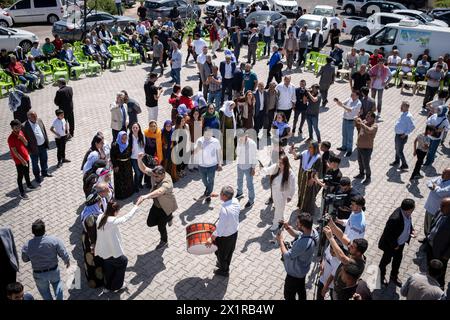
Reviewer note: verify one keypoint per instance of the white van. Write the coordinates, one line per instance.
(30, 11)
(410, 37)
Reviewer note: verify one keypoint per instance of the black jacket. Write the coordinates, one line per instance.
(393, 230)
(63, 99)
(441, 242)
(29, 134)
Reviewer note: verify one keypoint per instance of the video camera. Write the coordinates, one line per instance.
(336, 200)
(150, 161)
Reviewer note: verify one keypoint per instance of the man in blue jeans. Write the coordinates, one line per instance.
(209, 161)
(119, 7)
(403, 128)
(352, 107)
(246, 163)
(312, 111)
(43, 252)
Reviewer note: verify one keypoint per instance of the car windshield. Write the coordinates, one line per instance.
(323, 12)
(426, 17)
(312, 24)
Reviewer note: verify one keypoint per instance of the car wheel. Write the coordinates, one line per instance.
(25, 45)
(349, 10)
(51, 19)
(4, 24)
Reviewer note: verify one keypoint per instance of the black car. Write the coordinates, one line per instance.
(372, 7)
(412, 4)
(444, 16)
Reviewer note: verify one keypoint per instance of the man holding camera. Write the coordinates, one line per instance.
(346, 192)
(355, 225)
(297, 259)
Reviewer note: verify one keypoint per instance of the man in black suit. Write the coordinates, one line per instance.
(35, 133)
(64, 101)
(227, 69)
(9, 261)
(261, 105)
(438, 240)
(396, 233)
(317, 40)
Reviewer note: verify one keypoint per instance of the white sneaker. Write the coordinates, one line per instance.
(106, 291)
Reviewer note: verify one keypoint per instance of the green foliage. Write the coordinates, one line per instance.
(6, 3)
(442, 3)
(103, 5)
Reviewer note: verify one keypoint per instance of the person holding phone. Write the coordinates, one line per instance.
(352, 108)
(18, 147)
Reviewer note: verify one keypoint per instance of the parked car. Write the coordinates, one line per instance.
(30, 11)
(313, 22)
(359, 27)
(443, 16)
(5, 19)
(161, 8)
(423, 17)
(438, 11)
(372, 7)
(128, 3)
(262, 16)
(352, 6)
(412, 4)
(408, 36)
(71, 28)
(326, 11)
(286, 7)
(212, 6)
(10, 38)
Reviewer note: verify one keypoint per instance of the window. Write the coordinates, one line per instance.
(24, 4)
(105, 17)
(95, 17)
(385, 36)
(44, 3)
(386, 20)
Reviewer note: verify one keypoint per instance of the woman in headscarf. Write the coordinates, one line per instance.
(104, 176)
(181, 145)
(199, 102)
(247, 110)
(282, 185)
(440, 123)
(167, 146)
(211, 118)
(93, 264)
(123, 171)
(310, 167)
(228, 125)
(195, 131)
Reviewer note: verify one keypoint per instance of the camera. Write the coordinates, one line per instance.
(288, 246)
(327, 179)
(150, 161)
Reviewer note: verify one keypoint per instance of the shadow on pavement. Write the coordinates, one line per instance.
(202, 289)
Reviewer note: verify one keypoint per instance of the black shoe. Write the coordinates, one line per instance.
(366, 181)
(395, 163)
(161, 245)
(221, 273)
(348, 154)
(30, 186)
(397, 282)
(23, 195)
(239, 196)
(47, 175)
(359, 176)
(269, 201)
(341, 149)
(66, 161)
(38, 180)
(249, 204)
(404, 167)
(59, 165)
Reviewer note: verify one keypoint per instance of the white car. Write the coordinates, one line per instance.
(422, 17)
(326, 11)
(10, 38)
(212, 6)
(5, 19)
(314, 21)
(29, 11)
(286, 7)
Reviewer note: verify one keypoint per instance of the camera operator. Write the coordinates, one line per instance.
(347, 280)
(332, 176)
(346, 191)
(297, 259)
(355, 225)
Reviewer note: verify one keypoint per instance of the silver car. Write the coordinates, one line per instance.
(261, 17)
(161, 8)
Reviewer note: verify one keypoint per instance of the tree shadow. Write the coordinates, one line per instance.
(394, 176)
(196, 209)
(147, 266)
(5, 157)
(413, 188)
(196, 288)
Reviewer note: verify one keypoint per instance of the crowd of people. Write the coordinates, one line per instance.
(233, 114)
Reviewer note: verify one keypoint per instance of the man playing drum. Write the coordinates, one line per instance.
(226, 233)
(164, 202)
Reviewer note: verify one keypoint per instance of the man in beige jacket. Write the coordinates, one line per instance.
(118, 115)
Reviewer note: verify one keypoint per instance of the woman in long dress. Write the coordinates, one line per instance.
(166, 134)
(282, 184)
(195, 131)
(310, 166)
(228, 126)
(92, 263)
(181, 145)
(247, 110)
(123, 171)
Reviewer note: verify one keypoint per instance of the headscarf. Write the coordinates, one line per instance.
(122, 146)
(182, 110)
(228, 52)
(199, 100)
(281, 126)
(91, 207)
(228, 112)
(167, 136)
(208, 115)
(156, 136)
(102, 173)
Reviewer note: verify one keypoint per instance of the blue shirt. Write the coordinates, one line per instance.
(176, 59)
(43, 252)
(355, 227)
(405, 124)
(274, 59)
(298, 259)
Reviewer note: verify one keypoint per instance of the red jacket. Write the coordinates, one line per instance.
(213, 34)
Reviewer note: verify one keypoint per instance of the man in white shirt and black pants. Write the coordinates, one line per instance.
(286, 97)
(226, 233)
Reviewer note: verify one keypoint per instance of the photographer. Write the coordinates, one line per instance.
(346, 191)
(347, 280)
(332, 176)
(355, 225)
(297, 259)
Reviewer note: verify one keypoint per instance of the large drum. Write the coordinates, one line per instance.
(197, 234)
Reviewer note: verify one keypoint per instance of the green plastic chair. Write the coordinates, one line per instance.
(260, 49)
(60, 69)
(311, 59)
(46, 70)
(320, 62)
(6, 82)
(90, 66)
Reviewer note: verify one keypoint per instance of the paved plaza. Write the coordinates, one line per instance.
(256, 269)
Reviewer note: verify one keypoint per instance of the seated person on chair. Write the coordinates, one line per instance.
(90, 50)
(137, 46)
(394, 61)
(422, 68)
(107, 57)
(18, 72)
(407, 65)
(32, 68)
(68, 57)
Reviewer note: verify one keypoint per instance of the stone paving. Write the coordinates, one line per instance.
(256, 270)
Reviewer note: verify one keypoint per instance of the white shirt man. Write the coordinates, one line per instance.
(407, 64)
(199, 44)
(210, 150)
(261, 99)
(286, 96)
(141, 29)
(355, 105)
(228, 223)
(393, 62)
(40, 139)
(228, 70)
(201, 59)
(223, 33)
